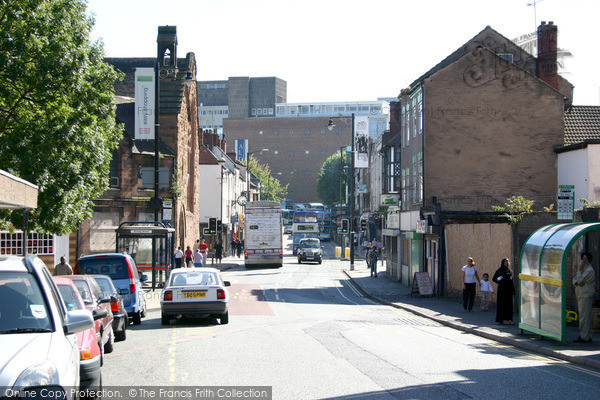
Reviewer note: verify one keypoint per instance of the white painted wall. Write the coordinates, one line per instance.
(573, 169)
(210, 192)
(408, 220)
(593, 172)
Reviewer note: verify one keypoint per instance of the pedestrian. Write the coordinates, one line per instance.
(373, 260)
(233, 247)
(178, 257)
(486, 291)
(506, 290)
(239, 248)
(62, 268)
(196, 246)
(189, 257)
(198, 259)
(219, 252)
(585, 285)
(470, 277)
(367, 251)
(204, 251)
(365, 244)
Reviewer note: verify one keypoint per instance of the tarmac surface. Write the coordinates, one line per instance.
(450, 313)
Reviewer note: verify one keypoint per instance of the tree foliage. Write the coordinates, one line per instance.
(329, 178)
(57, 110)
(271, 188)
(515, 208)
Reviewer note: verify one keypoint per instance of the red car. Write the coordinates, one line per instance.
(90, 355)
(95, 301)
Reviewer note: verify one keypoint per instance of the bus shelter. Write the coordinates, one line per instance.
(543, 278)
(150, 244)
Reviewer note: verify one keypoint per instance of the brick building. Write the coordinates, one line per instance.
(132, 168)
(298, 147)
(477, 128)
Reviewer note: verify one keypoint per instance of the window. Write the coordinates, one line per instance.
(307, 172)
(264, 111)
(12, 243)
(339, 131)
(260, 132)
(307, 151)
(323, 151)
(276, 152)
(254, 111)
(307, 131)
(291, 152)
(114, 170)
(322, 130)
(259, 111)
(270, 111)
(507, 56)
(420, 166)
(276, 133)
(414, 184)
(292, 132)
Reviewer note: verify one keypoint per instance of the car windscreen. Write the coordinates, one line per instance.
(313, 244)
(69, 296)
(23, 308)
(115, 267)
(84, 290)
(106, 285)
(194, 278)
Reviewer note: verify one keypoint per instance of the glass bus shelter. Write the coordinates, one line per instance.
(150, 244)
(543, 278)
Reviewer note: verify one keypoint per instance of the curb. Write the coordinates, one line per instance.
(477, 331)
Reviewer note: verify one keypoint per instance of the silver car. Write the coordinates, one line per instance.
(37, 333)
(199, 292)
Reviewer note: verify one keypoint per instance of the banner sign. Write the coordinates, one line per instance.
(144, 104)
(390, 199)
(360, 188)
(241, 150)
(361, 144)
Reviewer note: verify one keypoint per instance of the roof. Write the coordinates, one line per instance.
(171, 91)
(479, 39)
(582, 123)
(125, 115)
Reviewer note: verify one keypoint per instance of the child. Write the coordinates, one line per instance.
(486, 289)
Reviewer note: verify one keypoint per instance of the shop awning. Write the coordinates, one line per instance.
(17, 192)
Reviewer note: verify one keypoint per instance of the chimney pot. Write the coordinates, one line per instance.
(551, 23)
(543, 23)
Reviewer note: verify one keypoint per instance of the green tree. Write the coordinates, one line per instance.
(271, 188)
(331, 180)
(515, 208)
(57, 110)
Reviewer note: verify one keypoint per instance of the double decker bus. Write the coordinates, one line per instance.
(287, 218)
(305, 225)
(324, 220)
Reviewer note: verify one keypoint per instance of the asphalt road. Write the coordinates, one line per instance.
(306, 331)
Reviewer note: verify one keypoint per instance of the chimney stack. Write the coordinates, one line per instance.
(547, 69)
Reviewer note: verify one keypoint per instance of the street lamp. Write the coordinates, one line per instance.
(330, 126)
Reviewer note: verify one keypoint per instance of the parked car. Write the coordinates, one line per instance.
(310, 249)
(94, 300)
(122, 270)
(90, 354)
(287, 229)
(199, 292)
(120, 318)
(39, 347)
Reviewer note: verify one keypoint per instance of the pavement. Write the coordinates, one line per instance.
(449, 312)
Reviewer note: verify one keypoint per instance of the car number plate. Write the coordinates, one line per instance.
(309, 258)
(188, 295)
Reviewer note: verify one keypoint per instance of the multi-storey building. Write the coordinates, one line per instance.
(238, 97)
(299, 141)
(476, 129)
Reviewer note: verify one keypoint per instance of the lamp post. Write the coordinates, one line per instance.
(330, 126)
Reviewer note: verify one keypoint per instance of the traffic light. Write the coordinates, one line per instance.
(219, 226)
(345, 226)
(363, 224)
(212, 226)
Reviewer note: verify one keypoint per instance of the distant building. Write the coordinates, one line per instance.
(299, 141)
(238, 97)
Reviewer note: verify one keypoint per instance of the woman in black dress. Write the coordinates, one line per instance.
(506, 290)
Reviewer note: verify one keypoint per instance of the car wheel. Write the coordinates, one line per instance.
(299, 261)
(121, 335)
(224, 318)
(320, 261)
(143, 313)
(108, 347)
(136, 318)
(165, 319)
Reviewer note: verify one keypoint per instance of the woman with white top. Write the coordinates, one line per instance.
(470, 279)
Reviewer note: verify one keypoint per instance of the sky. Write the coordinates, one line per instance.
(342, 50)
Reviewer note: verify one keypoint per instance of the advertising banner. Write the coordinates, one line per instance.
(361, 144)
(241, 150)
(144, 104)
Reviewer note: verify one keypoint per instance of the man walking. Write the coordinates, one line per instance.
(178, 256)
(585, 288)
(373, 261)
(63, 268)
(203, 247)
